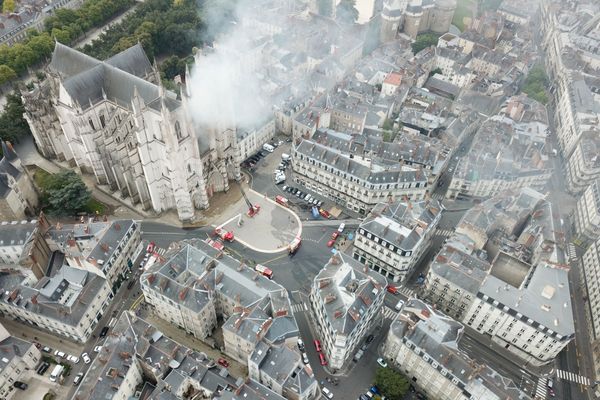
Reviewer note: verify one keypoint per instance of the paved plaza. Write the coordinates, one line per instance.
(270, 231)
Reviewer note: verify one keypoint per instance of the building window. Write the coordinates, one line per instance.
(91, 124)
(102, 121)
(178, 130)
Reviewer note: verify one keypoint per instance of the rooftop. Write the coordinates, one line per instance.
(347, 289)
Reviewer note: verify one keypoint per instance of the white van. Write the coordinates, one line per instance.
(268, 147)
(285, 157)
(56, 373)
(327, 393)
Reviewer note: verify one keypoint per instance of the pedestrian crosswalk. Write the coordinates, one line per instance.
(300, 307)
(541, 390)
(407, 292)
(438, 196)
(569, 376)
(160, 251)
(389, 313)
(444, 232)
(572, 252)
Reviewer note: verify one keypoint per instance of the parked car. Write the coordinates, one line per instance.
(327, 393)
(20, 385)
(73, 359)
(43, 368)
(322, 359)
(330, 243)
(370, 338)
(341, 227)
(77, 379)
(60, 354)
(335, 235)
(382, 362)
(97, 349)
(304, 358)
(317, 345)
(46, 349)
(104, 331)
(86, 358)
(284, 188)
(223, 362)
(300, 344)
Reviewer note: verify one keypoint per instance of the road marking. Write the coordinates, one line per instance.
(570, 376)
(443, 232)
(136, 302)
(389, 313)
(541, 391)
(276, 258)
(300, 307)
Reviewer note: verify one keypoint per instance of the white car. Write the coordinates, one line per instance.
(73, 359)
(304, 358)
(399, 305)
(86, 358)
(382, 362)
(97, 349)
(60, 354)
(341, 227)
(327, 393)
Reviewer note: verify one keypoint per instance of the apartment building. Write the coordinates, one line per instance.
(504, 155)
(591, 274)
(281, 369)
(194, 284)
(136, 356)
(345, 299)
(423, 345)
(355, 182)
(583, 166)
(394, 236)
(18, 356)
(587, 215)
(105, 248)
(67, 301)
(504, 275)
(251, 140)
(18, 197)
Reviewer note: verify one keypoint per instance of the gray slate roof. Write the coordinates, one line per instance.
(89, 80)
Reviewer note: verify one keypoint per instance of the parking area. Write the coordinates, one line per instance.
(38, 386)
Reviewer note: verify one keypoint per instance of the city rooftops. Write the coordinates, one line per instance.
(347, 289)
(435, 338)
(361, 169)
(16, 233)
(402, 223)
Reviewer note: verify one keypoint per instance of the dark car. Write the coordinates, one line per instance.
(130, 284)
(370, 339)
(43, 368)
(104, 331)
(20, 385)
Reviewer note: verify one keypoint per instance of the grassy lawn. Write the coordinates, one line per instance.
(94, 206)
(464, 9)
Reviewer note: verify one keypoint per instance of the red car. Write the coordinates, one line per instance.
(392, 289)
(223, 362)
(330, 243)
(322, 359)
(335, 235)
(317, 345)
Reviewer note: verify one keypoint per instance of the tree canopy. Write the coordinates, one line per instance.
(423, 41)
(65, 193)
(12, 124)
(536, 84)
(66, 25)
(391, 384)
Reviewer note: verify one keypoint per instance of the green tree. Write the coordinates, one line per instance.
(7, 74)
(8, 6)
(61, 35)
(423, 41)
(41, 45)
(536, 84)
(346, 11)
(172, 67)
(12, 124)
(66, 193)
(391, 384)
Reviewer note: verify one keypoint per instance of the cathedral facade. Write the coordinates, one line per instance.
(113, 119)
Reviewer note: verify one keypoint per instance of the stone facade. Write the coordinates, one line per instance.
(110, 119)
